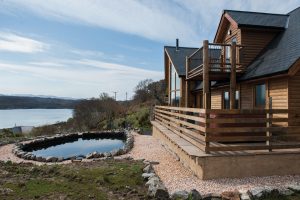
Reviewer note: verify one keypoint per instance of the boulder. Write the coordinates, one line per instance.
(182, 195)
(294, 187)
(158, 191)
(51, 159)
(212, 196)
(195, 195)
(89, 156)
(148, 169)
(147, 175)
(60, 159)
(244, 195)
(285, 191)
(229, 195)
(154, 180)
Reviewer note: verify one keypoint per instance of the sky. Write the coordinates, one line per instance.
(82, 48)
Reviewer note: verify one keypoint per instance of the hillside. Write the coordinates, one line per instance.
(20, 102)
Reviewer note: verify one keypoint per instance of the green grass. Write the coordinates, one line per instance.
(276, 196)
(97, 180)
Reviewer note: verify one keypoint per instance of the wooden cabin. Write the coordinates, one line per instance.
(239, 92)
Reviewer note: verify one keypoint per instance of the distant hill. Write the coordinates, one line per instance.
(22, 102)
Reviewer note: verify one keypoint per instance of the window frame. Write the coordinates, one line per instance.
(254, 96)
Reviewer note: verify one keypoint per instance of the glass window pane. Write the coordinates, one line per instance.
(260, 95)
(173, 98)
(226, 100)
(177, 82)
(173, 75)
(237, 99)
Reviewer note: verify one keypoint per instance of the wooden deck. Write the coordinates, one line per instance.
(239, 131)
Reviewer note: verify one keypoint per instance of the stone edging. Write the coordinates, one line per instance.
(18, 150)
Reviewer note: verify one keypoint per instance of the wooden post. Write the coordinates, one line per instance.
(206, 85)
(206, 116)
(187, 88)
(269, 124)
(232, 75)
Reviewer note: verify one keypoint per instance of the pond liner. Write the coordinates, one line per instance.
(23, 151)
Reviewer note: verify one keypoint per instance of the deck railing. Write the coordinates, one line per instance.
(232, 130)
(219, 57)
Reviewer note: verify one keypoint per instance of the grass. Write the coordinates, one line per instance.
(276, 196)
(96, 180)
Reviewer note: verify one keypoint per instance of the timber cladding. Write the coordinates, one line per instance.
(254, 41)
(294, 96)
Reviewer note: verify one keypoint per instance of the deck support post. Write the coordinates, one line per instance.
(232, 75)
(206, 85)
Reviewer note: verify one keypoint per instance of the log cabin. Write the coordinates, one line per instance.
(237, 95)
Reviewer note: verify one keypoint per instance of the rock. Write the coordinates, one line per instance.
(60, 159)
(147, 175)
(148, 169)
(256, 193)
(285, 191)
(195, 195)
(158, 191)
(244, 195)
(40, 159)
(154, 180)
(229, 195)
(212, 196)
(182, 195)
(51, 159)
(294, 187)
(89, 156)
(154, 162)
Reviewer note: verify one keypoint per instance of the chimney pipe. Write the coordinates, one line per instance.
(177, 44)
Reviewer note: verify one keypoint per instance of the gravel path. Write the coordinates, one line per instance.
(171, 171)
(176, 177)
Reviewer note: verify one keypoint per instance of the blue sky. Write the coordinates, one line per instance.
(81, 48)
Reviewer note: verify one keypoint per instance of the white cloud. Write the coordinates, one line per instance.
(76, 78)
(15, 43)
(189, 20)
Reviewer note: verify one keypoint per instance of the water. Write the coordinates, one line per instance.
(33, 117)
(80, 146)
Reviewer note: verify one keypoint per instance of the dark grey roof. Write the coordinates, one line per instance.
(282, 52)
(178, 57)
(244, 18)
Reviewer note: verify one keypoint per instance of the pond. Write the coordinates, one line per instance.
(79, 147)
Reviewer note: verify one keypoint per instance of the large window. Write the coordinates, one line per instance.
(260, 95)
(226, 100)
(175, 87)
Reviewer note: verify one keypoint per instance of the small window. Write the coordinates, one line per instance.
(237, 99)
(226, 102)
(260, 95)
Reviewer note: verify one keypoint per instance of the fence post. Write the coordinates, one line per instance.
(206, 116)
(269, 125)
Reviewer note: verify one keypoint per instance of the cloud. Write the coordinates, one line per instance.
(160, 20)
(77, 78)
(15, 43)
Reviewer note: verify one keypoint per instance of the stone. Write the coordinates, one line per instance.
(212, 196)
(60, 159)
(285, 191)
(147, 175)
(51, 159)
(154, 162)
(40, 159)
(148, 169)
(158, 191)
(256, 193)
(244, 195)
(195, 195)
(229, 195)
(89, 156)
(154, 180)
(294, 187)
(182, 195)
